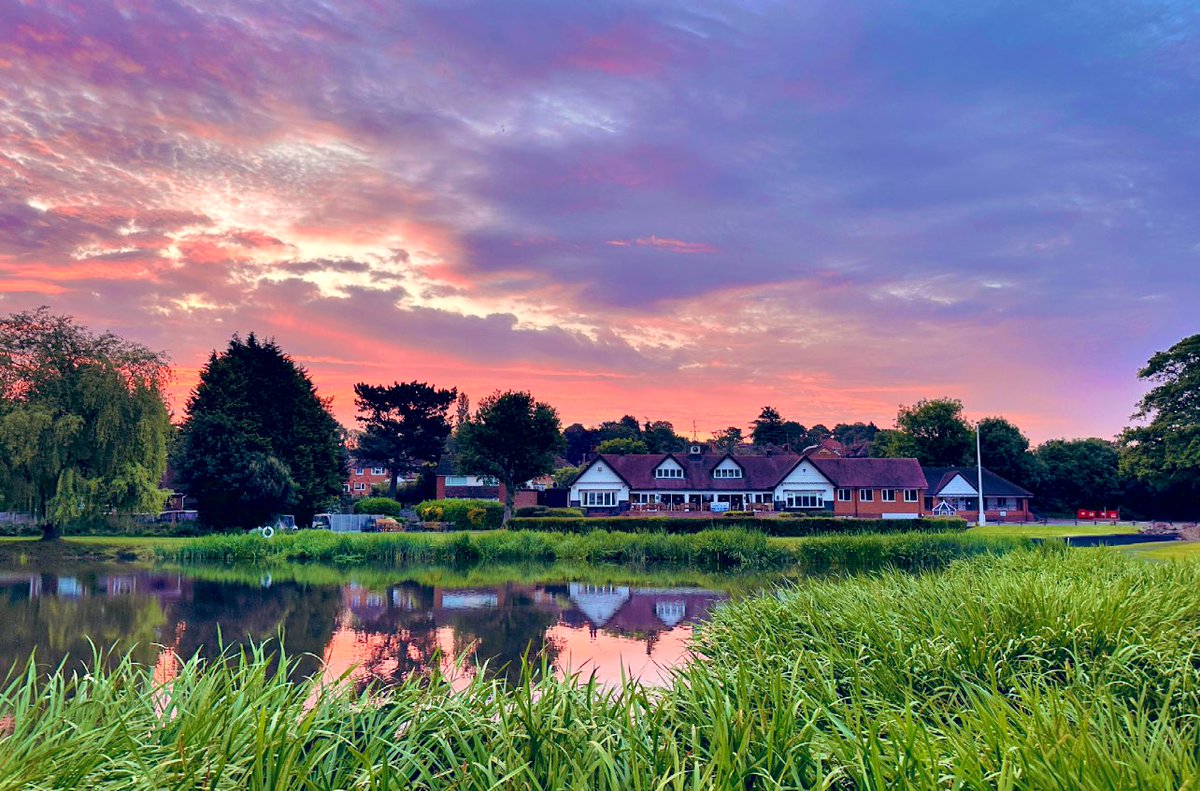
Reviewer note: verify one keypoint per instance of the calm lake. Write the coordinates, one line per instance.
(378, 625)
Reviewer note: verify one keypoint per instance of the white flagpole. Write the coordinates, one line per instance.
(982, 521)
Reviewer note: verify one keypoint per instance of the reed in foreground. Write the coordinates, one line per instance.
(1037, 669)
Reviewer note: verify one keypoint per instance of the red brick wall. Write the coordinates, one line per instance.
(367, 479)
(876, 508)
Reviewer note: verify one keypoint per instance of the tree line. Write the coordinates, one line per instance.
(85, 433)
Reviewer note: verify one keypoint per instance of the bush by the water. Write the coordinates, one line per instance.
(725, 548)
(782, 525)
(377, 505)
(463, 514)
(546, 511)
(1040, 669)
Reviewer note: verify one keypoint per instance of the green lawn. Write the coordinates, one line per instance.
(1173, 550)
(1052, 531)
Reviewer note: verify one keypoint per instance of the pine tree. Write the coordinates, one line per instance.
(258, 440)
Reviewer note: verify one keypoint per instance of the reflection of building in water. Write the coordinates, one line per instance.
(599, 603)
(164, 587)
(405, 628)
(468, 600)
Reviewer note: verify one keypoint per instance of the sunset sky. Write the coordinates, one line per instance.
(680, 211)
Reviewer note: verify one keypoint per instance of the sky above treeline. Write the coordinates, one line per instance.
(679, 211)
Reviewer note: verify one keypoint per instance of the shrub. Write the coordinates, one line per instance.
(377, 505)
(799, 526)
(463, 514)
(738, 514)
(544, 511)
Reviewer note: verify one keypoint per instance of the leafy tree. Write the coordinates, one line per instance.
(855, 435)
(257, 439)
(818, 434)
(404, 426)
(563, 476)
(768, 428)
(1077, 473)
(625, 428)
(890, 443)
(1005, 451)
(728, 440)
(794, 434)
(512, 438)
(622, 447)
(1164, 453)
(934, 432)
(578, 442)
(84, 429)
(660, 437)
(462, 410)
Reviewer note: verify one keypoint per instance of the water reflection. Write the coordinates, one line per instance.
(377, 632)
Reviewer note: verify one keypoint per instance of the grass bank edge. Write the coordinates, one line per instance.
(725, 549)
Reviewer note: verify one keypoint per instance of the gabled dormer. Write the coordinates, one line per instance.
(669, 470)
(728, 468)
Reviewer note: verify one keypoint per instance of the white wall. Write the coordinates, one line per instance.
(727, 464)
(958, 487)
(805, 478)
(600, 476)
(669, 464)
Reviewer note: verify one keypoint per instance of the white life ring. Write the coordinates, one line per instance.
(268, 532)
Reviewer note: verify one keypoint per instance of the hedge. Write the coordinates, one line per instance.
(463, 514)
(385, 506)
(772, 526)
(544, 511)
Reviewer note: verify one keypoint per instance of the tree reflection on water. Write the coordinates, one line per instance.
(383, 633)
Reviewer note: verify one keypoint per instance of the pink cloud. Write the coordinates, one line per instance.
(664, 243)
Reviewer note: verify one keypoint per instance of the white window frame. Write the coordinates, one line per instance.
(845, 495)
(910, 495)
(378, 471)
(866, 495)
(887, 495)
(668, 472)
(360, 487)
(815, 500)
(358, 470)
(727, 472)
(598, 498)
(345, 487)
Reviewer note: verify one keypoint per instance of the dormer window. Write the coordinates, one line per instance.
(727, 472)
(668, 472)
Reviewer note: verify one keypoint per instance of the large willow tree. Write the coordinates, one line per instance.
(83, 425)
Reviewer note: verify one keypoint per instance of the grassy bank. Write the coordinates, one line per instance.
(724, 549)
(1037, 669)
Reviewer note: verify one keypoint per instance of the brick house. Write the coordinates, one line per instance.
(613, 484)
(361, 477)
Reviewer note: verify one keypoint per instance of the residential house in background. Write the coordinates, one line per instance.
(362, 476)
(953, 491)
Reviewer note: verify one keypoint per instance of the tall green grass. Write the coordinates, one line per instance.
(741, 549)
(1040, 669)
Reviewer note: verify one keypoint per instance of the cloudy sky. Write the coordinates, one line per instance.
(674, 210)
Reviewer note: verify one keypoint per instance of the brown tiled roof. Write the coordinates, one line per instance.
(761, 473)
(871, 473)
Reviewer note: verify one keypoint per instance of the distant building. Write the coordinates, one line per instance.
(953, 491)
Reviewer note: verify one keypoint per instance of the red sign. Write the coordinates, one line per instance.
(1084, 514)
